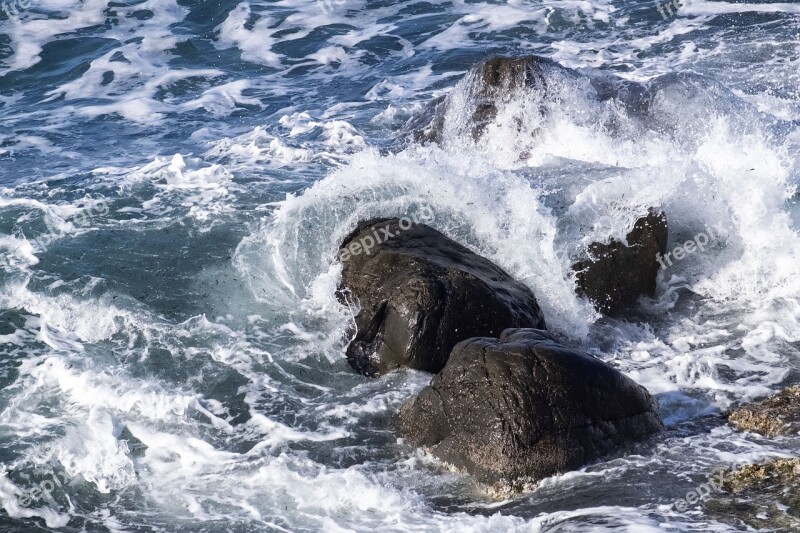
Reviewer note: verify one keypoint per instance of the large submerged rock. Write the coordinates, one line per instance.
(614, 275)
(493, 84)
(517, 409)
(775, 416)
(485, 88)
(420, 294)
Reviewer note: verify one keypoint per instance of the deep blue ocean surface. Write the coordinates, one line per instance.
(176, 177)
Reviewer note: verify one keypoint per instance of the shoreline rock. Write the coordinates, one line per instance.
(776, 416)
(516, 409)
(765, 495)
(612, 275)
(420, 294)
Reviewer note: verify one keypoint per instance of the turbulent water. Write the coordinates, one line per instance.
(176, 176)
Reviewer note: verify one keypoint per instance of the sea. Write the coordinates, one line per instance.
(176, 177)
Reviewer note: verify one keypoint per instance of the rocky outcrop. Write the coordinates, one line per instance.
(760, 476)
(495, 81)
(493, 84)
(516, 409)
(485, 88)
(420, 294)
(614, 275)
(775, 416)
(764, 496)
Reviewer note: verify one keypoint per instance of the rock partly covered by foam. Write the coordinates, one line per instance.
(764, 496)
(420, 294)
(777, 415)
(614, 275)
(526, 83)
(517, 409)
(485, 89)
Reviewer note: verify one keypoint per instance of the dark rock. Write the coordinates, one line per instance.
(614, 275)
(775, 416)
(764, 496)
(520, 408)
(494, 83)
(498, 79)
(420, 294)
(485, 88)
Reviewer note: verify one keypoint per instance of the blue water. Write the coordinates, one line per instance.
(175, 178)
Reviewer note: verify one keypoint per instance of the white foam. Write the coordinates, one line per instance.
(18, 254)
(186, 183)
(255, 43)
(129, 77)
(496, 213)
(702, 7)
(31, 30)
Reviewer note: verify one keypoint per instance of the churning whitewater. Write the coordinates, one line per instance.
(176, 179)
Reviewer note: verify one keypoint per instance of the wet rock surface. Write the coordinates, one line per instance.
(485, 88)
(775, 416)
(497, 79)
(764, 496)
(515, 409)
(614, 275)
(490, 86)
(427, 126)
(420, 293)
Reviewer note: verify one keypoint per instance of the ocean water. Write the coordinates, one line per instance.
(176, 176)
